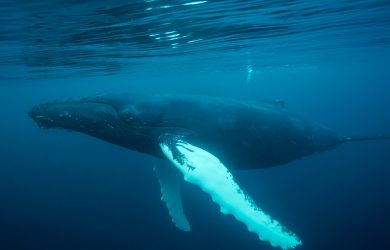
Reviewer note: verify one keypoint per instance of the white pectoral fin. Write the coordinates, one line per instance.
(170, 179)
(201, 168)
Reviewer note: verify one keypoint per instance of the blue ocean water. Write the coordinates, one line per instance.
(328, 60)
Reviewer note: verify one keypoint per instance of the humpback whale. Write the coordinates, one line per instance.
(200, 139)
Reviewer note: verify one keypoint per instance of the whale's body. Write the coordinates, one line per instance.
(199, 135)
(243, 135)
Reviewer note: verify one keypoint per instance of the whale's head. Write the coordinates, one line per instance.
(115, 119)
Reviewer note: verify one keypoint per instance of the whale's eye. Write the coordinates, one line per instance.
(129, 113)
(127, 116)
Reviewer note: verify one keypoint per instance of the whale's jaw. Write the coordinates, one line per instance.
(73, 115)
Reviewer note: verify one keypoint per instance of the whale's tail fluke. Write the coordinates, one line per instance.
(365, 138)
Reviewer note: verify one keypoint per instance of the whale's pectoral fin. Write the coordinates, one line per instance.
(170, 180)
(201, 168)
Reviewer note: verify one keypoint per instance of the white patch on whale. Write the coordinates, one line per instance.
(203, 169)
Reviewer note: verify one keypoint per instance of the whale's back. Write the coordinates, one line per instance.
(244, 135)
